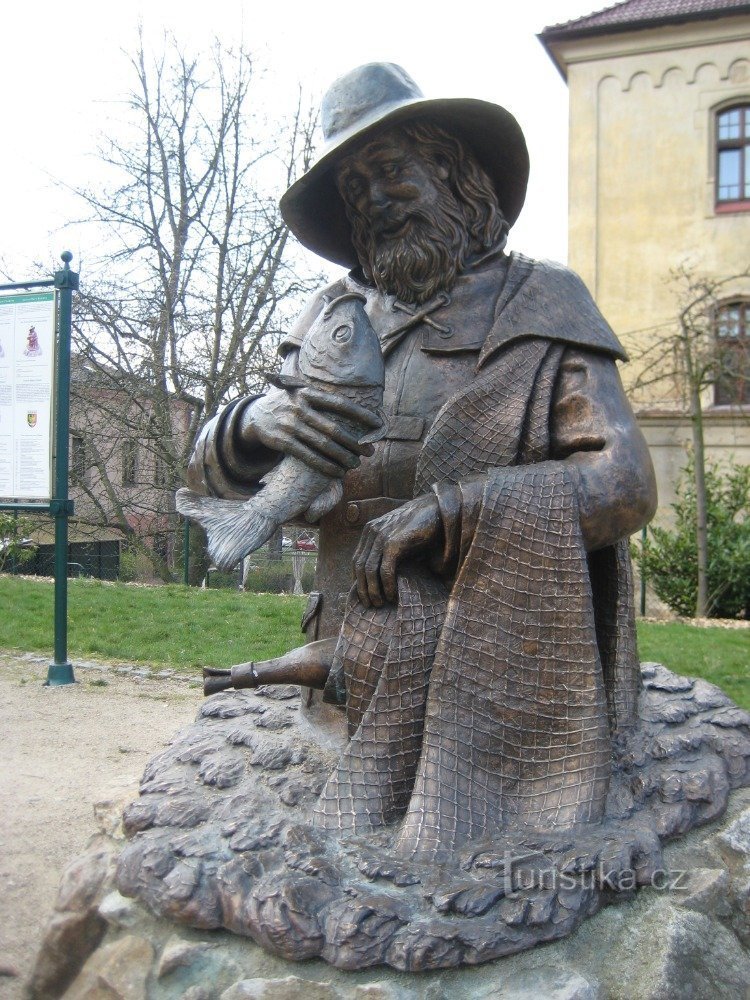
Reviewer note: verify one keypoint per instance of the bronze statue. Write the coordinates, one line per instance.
(492, 513)
(489, 762)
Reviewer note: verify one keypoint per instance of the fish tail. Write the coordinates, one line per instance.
(234, 527)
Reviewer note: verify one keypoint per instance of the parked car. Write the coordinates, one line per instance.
(306, 544)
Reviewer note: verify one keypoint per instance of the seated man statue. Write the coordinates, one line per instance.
(473, 607)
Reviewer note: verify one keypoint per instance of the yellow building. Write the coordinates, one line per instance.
(659, 180)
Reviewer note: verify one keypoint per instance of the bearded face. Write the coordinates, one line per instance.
(408, 228)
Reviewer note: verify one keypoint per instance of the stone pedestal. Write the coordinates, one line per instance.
(199, 857)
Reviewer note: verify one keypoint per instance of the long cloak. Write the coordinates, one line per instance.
(491, 706)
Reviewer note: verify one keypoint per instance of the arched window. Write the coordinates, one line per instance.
(732, 385)
(733, 158)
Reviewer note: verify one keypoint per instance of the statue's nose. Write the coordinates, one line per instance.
(379, 198)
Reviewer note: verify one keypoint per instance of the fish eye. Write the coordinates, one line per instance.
(342, 334)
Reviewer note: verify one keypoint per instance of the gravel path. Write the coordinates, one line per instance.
(63, 750)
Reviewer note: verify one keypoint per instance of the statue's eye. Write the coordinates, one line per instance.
(391, 170)
(342, 334)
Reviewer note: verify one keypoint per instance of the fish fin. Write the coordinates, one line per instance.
(325, 501)
(279, 381)
(379, 433)
(234, 527)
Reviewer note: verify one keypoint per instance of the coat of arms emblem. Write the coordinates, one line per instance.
(31, 418)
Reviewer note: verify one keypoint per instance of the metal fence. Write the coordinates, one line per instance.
(284, 566)
(289, 569)
(99, 560)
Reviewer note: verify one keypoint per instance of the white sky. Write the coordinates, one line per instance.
(63, 67)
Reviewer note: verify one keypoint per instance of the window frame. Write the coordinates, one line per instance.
(740, 143)
(722, 397)
(129, 462)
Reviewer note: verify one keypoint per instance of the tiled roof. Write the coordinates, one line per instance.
(635, 14)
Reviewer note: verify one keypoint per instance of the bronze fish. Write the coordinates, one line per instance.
(341, 353)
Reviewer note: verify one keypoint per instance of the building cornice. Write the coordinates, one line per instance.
(569, 49)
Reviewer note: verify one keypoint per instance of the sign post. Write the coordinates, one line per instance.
(66, 282)
(25, 391)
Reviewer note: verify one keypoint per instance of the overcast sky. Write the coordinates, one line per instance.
(63, 68)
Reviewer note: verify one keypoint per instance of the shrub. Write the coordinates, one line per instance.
(669, 559)
(15, 546)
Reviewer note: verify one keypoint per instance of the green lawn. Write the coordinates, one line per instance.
(164, 626)
(720, 655)
(175, 627)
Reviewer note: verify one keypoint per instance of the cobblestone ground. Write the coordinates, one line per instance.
(64, 749)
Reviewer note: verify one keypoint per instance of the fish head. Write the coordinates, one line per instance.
(341, 347)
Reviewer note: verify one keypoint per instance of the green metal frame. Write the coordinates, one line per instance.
(60, 506)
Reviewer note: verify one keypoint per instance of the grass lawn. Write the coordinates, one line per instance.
(185, 629)
(720, 655)
(163, 626)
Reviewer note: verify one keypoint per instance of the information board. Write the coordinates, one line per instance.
(27, 371)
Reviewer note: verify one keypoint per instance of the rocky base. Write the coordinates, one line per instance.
(221, 838)
(688, 936)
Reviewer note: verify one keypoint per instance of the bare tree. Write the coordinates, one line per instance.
(690, 359)
(185, 309)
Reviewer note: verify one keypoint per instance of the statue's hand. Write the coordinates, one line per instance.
(307, 424)
(386, 540)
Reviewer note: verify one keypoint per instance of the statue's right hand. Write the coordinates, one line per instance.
(309, 425)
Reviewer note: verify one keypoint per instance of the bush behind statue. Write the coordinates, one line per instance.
(669, 558)
(15, 546)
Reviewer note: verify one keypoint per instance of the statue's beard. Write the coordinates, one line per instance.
(425, 260)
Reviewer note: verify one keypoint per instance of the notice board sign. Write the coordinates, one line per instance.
(27, 372)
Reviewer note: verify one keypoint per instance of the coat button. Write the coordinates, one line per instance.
(351, 514)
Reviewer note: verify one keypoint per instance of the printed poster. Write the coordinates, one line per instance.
(27, 370)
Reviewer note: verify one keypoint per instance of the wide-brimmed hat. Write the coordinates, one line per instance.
(377, 96)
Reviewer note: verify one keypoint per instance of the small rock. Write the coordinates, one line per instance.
(271, 758)
(705, 890)
(277, 692)
(68, 941)
(707, 696)
(118, 911)
(179, 953)
(256, 834)
(291, 988)
(546, 982)
(682, 953)
(119, 970)
(294, 793)
(274, 720)
(82, 881)
(220, 706)
(8, 971)
(221, 770)
(373, 991)
(734, 842)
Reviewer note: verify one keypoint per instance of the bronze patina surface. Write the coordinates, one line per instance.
(472, 629)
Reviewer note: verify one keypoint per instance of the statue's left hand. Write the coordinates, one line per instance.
(386, 540)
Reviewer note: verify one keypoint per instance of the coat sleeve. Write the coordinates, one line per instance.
(229, 464)
(226, 461)
(594, 432)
